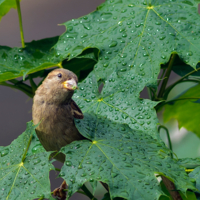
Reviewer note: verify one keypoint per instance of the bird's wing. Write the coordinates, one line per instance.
(76, 111)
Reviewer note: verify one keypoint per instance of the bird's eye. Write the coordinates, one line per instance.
(59, 75)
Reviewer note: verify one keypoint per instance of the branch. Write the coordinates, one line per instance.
(88, 193)
(168, 138)
(171, 188)
(180, 80)
(20, 23)
(169, 69)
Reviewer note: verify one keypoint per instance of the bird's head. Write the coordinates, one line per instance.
(59, 85)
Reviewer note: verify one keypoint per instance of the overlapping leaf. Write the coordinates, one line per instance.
(127, 160)
(37, 55)
(5, 6)
(135, 36)
(24, 175)
(185, 107)
(119, 103)
(195, 174)
(189, 163)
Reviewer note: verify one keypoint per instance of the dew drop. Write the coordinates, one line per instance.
(162, 38)
(113, 44)
(37, 148)
(68, 163)
(4, 152)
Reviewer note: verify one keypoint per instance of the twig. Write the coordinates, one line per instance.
(168, 137)
(20, 23)
(87, 192)
(169, 69)
(171, 188)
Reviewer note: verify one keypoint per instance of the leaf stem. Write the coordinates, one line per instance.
(27, 92)
(33, 85)
(168, 137)
(88, 193)
(57, 169)
(149, 93)
(167, 74)
(180, 80)
(20, 23)
(29, 142)
(161, 77)
(167, 102)
(41, 198)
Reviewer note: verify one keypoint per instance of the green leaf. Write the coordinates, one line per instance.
(189, 196)
(195, 174)
(25, 175)
(183, 108)
(118, 102)
(189, 163)
(182, 68)
(107, 197)
(127, 160)
(135, 37)
(5, 6)
(81, 65)
(37, 55)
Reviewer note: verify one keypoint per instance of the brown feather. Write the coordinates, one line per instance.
(54, 108)
(76, 111)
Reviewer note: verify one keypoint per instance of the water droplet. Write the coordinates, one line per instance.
(62, 174)
(189, 53)
(158, 23)
(123, 55)
(37, 148)
(36, 161)
(83, 174)
(101, 168)
(123, 70)
(114, 175)
(80, 166)
(162, 38)
(4, 152)
(124, 116)
(113, 44)
(128, 165)
(68, 163)
(16, 57)
(84, 35)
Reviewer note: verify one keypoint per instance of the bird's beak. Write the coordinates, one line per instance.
(70, 84)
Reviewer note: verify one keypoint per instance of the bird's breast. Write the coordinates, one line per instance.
(56, 128)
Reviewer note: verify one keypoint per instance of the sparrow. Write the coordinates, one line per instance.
(54, 110)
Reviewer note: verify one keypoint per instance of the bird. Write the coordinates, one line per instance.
(54, 110)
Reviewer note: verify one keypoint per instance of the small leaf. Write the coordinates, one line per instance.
(195, 174)
(26, 179)
(184, 108)
(189, 163)
(5, 6)
(37, 55)
(182, 68)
